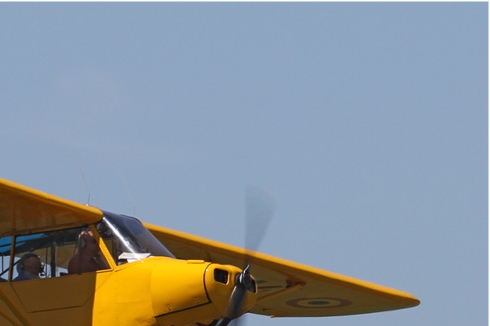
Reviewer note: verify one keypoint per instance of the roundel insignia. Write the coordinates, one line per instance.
(318, 303)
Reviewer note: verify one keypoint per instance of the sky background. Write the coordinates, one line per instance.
(367, 124)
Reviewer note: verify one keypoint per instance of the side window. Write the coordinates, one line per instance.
(55, 253)
(43, 255)
(5, 246)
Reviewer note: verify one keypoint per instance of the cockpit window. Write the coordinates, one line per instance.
(41, 255)
(128, 240)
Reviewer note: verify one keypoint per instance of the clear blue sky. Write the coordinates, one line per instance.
(367, 123)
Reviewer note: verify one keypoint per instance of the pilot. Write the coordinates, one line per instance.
(88, 258)
(29, 266)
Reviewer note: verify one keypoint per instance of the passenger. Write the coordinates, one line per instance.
(88, 258)
(29, 267)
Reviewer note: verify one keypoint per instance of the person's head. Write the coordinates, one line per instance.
(86, 241)
(29, 263)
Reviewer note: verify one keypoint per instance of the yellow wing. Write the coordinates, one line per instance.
(25, 210)
(287, 288)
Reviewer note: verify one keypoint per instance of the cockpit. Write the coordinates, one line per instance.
(114, 241)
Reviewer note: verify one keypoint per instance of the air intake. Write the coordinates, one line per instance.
(220, 276)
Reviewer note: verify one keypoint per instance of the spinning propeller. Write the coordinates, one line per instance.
(259, 209)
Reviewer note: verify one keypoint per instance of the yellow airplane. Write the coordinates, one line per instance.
(63, 263)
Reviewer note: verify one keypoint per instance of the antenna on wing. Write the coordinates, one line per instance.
(83, 177)
(128, 190)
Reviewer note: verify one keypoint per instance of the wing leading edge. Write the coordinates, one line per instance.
(288, 289)
(25, 210)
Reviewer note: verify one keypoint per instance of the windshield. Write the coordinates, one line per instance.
(128, 240)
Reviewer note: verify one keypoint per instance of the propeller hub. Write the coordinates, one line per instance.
(245, 280)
